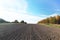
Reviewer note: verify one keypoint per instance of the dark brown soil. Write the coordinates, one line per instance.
(28, 32)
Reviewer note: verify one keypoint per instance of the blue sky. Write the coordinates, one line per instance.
(30, 11)
(46, 7)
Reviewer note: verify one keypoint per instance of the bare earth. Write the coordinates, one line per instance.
(28, 32)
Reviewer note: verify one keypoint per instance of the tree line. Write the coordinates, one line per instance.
(16, 21)
(51, 20)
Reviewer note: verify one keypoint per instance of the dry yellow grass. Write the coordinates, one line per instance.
(52, 25)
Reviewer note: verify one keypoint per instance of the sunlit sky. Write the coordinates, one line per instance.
(30, 11)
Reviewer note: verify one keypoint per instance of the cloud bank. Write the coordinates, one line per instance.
(11, 10)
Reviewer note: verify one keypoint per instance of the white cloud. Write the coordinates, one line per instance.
(11, 16)
(52, 15)
(55, 14)
(16, 9)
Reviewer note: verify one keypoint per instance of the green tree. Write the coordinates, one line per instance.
(22, 21)
(54, 20)
(16, 21)
(47, 20)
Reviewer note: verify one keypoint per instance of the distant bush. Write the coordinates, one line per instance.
(16, 21)
(23, 22)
